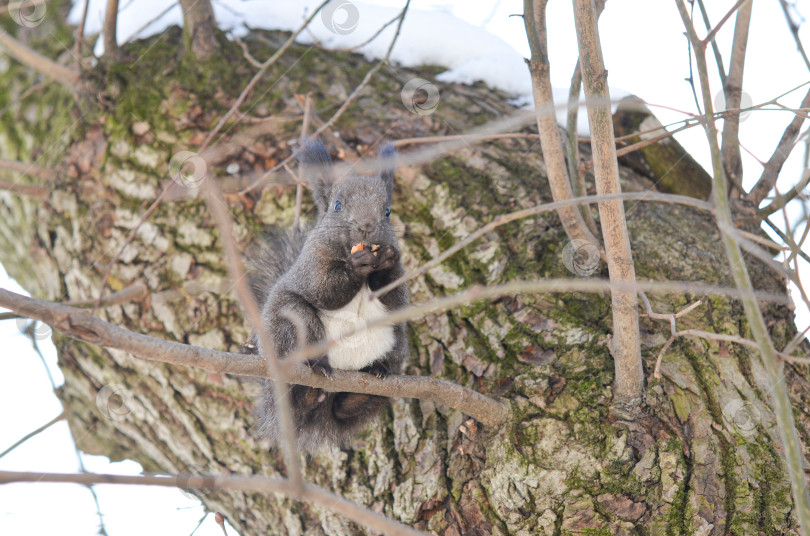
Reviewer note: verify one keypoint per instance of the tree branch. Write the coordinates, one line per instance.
(84, 326)
(33, 59)
(771, 363)
(534, 19)
(111, 49)
(29, 435)
(774, 165)
(259, 484)
(281, 394)
(625, 345)
(527, 212)
(732, 88)
(26, 190)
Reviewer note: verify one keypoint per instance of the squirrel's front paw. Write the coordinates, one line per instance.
(387, 257)
(379, 370)
(363, 262)
(322, 366)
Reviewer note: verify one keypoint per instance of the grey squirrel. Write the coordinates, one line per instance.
(319, 281)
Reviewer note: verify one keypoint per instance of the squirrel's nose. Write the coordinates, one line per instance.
(365, 228)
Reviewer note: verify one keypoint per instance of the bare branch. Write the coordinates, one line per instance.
(771, 363)
(727, 16)
(77, 47)
(534, 19)
(199, 26)
(717, 56)
(218, 208)
(256, 77)
(577, 178)
(25, 168)
(781, 201)
(527, 212)
(625, 345)
(111, 49)
(33, 59)
(732, 88)
(259, 484)
(26, 190)
(133, 292)
(83, 325)
(28, 436)
(774, 165)
(794, 29)
(366, 79)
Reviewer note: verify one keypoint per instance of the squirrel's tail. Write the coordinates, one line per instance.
(321, 418)
(271, 257)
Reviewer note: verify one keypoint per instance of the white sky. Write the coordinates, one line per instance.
(645, 53)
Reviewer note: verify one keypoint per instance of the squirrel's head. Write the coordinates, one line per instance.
(352, 209)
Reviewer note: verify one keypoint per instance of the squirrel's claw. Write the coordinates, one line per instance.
(379, 370)
(322, 366)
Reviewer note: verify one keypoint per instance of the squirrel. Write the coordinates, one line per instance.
(319, 282)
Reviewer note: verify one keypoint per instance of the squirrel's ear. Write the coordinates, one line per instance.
(316, 169)
(388, 165)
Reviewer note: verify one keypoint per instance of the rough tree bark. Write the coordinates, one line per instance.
(703, 460)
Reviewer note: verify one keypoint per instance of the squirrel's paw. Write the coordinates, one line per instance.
(363, 262)
(322, 366)
(387, 257)
(379, 370)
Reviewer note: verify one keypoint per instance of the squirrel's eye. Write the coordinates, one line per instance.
(388, 211)
(338, 206)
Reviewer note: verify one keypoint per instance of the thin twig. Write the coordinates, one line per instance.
(256, 77)
(531, 211)
(771, 362)
(774, 165)
(218, 208)
(26, 168)
(28, 436)
(31, 58)
(717, 56)
(551, 144)
(77, 48)
(732, 89)
(781, 201)
(367, 78)
(720, 24)
(794, 29)
(26, 190)
(258, 484)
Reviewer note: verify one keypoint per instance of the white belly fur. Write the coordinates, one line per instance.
(361, 349)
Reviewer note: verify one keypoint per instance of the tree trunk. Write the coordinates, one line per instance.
(703, 460)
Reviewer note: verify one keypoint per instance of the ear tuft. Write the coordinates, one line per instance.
(388, 164)
(316, 169)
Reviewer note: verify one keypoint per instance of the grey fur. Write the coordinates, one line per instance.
(296, 275)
